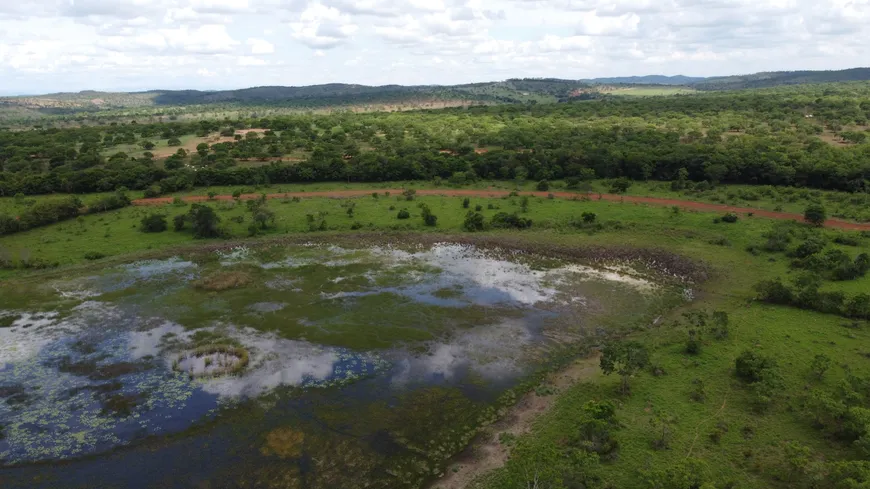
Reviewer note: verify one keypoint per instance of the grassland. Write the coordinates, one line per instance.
(650, 91)
(751, 449)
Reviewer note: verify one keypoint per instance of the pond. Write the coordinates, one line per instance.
(307, 365)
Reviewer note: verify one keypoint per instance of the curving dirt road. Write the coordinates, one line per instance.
(684, 204)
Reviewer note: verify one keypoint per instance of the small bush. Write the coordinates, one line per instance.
(404, 214)
(466, 202)
(503, 220)
(589, 217)
(750, 366)
(474, 221)
(152, 192)
(154, 223)
(178, 222)
(94, 255)
(543, 186)
(478, 208)
(730, 218)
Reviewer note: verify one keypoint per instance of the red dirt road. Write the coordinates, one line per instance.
(684, 204)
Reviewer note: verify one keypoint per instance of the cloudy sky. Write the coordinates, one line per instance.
(71, 45)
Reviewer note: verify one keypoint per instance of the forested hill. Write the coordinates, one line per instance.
(777, 78)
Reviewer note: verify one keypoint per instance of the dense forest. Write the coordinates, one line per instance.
(809, 135)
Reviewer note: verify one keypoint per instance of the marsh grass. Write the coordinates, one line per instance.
(224, 280)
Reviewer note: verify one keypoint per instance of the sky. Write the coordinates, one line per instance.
(130, 45)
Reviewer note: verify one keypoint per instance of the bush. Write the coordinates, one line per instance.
(429, 219)
(730, 218)
(815, 214)
(154, 223)
(809, 247)
(474, 221)
(94, 255)
(503, 220)
(152, 192)
(478, 207)
(751, 366)
(178, 222)
(404, 214)
(588, 217)
(466, 202)
(543, 186)
(620, 186)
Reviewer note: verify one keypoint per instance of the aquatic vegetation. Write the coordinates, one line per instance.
(219, 281)
(212, 361)
(407, 348)
(283, 443)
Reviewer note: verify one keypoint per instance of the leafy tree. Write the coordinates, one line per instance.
(429, 219)
(204, 221)
(173, 142)
(154, 223)
(147, 145)
(815, 214)
(624, 358)
(750, 366)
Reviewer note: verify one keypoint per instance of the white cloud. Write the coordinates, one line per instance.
(260, 46)
(51, 45)
(322, 27)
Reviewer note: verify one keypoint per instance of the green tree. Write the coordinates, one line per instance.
(204, 221)
(815, 214)
(474, 221)
(624, 358)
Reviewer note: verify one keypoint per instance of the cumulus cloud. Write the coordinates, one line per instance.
(322, 27)
(56, 43)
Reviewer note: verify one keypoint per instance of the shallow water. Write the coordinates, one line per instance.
(385, 359)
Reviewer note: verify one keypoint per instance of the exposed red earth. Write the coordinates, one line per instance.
(684, 204)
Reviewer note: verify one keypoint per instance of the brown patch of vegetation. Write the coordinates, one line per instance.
(283, 442)
(223, 281)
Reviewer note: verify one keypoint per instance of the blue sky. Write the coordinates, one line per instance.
(71, 45)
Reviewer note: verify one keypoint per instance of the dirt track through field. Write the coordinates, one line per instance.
(630, 199)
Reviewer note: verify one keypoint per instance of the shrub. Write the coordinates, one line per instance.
(154, 223)
(404, 214)
(815, 214)
(589, 217)
(409, 194)
(356, 226)
(543, 186)
(152, 192)
(8, 224)
(478, 208)
(429, 219)
(94, 255)
(620, 186)
(503, 220)
(809, 247)
(775, 292)
(466, 202)
(750, 366)
(178, 222)
(847, 239)
(474, 221)
(730, 218)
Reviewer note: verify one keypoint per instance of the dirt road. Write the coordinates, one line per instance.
(684, 204)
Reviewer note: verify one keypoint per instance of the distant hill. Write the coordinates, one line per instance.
(777, 78)
(648, 80)
(341, 96)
